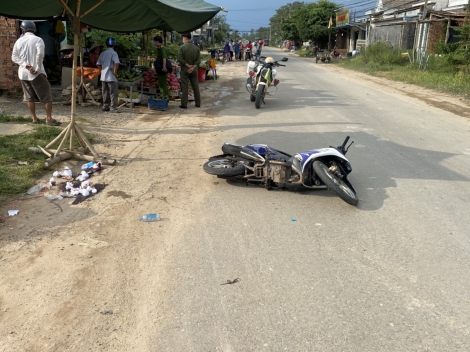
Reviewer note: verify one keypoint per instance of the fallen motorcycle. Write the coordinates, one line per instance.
(259, 163)
(262, 77)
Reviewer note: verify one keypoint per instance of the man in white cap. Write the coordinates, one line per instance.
(28, 53)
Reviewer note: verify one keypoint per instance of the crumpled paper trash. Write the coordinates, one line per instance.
(12, 212)
(83, 176)
(59, 197)
(65, 172)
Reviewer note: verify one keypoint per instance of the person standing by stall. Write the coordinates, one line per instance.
(189, 58)
(94, 55)
(162, 66)
(108, 63)
(28, 53)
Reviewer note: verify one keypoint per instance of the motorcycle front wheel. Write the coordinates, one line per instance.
(259, 96)
(223, 167)
(334, 183)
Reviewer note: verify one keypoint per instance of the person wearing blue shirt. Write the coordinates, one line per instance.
(108, 63)
(236, 48)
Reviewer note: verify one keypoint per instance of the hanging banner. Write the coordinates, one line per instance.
(342, 18)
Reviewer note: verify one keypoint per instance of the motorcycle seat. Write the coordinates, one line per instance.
(231, 149)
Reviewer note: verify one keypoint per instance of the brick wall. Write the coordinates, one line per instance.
(9, 32)
(435, 35)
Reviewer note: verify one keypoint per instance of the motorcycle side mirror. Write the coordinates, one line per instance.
(285, 59)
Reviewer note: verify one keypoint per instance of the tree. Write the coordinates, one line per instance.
(311, 21)
(235, 35)
(289, 31)
(223, 31)
(262, 33)
(285, 13)
(252, 35)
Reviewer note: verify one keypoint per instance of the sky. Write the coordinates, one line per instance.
(247, 14)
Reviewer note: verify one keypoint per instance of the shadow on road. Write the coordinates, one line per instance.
(376, 162)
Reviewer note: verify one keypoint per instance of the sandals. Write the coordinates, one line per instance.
(36, 122)
(54, 122)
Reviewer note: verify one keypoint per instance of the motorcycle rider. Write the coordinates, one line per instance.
(249, 50)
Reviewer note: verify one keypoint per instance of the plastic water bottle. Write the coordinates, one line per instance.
(88, 165)
(150, 217)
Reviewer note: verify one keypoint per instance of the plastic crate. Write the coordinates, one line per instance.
(157, 104)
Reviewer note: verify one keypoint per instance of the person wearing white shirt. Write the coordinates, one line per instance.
(108, 63)
(28, 53)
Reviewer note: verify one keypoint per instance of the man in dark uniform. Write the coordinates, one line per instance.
(189, 59)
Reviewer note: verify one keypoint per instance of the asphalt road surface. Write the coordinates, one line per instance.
(391, 274)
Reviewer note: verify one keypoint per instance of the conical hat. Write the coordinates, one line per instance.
(66, 47)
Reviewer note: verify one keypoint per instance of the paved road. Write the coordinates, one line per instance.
(391, 274)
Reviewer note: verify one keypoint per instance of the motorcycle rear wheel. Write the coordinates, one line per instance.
(259, 96)
(252, 97)
(334, 183)
(223, 167)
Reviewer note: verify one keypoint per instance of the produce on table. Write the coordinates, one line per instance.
(128, 75)
(125, 94)
(172, 81)
(151, 81)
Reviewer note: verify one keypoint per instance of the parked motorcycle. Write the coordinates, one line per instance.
(259, 163)
(262, 77)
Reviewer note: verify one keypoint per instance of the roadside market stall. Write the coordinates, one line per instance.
(110, 15)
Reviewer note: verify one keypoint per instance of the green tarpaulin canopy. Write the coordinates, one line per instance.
(119, 15)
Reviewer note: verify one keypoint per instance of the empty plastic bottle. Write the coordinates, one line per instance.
(150, 217)
(88, 165)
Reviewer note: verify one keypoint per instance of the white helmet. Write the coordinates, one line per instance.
(269, 60)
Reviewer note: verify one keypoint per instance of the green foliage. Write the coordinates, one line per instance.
(223, 32)
(312, 20)
(443, 48)
(290, 32)
(172, 50)
(14, 178)
(128, 45)
(281, 23)
(380, 55)
(457, 55)
(380, 60)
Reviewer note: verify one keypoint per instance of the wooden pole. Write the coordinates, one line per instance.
(73, 130)
(447, 31)
(59, 148)
(64, 131)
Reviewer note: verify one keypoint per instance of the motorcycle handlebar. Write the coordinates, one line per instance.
(281, 65)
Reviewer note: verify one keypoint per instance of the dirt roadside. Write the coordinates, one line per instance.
(89, 276)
